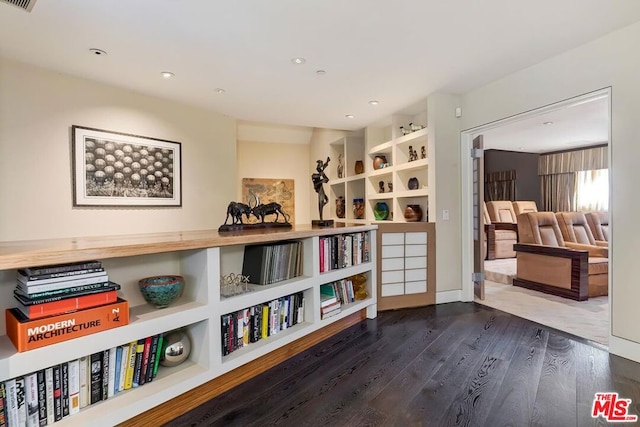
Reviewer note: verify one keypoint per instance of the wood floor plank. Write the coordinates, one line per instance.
(555, 403)
(593, 375)
(513, 406)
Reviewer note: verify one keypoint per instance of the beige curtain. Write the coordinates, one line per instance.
(592, 190)
(500, 185)
(558, 192)
(559, 176)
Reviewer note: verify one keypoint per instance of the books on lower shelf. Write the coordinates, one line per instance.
(28, 334)
(48, 395)
(250, 325)
(344, 250)
(266, 264)
(334, 295)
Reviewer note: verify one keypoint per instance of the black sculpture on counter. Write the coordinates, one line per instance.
(235, 210)
(319, 178)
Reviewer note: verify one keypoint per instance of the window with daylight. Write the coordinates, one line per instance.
(592, 190)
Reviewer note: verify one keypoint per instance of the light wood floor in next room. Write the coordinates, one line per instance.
(459, 364)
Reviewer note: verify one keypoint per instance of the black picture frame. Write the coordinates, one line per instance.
(121, 169)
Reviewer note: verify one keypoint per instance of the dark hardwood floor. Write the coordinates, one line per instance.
(445, 365)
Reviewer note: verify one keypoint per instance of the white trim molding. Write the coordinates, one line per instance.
(624, 348)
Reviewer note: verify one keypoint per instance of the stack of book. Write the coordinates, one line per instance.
(75, 299)
(330, 304)
(52, 394)
(344, 250)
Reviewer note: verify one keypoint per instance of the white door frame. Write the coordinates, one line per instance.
(466, 177)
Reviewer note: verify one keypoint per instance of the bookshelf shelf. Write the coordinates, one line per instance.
(202, 257)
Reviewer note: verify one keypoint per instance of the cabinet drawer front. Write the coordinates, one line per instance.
(393, 251)
(416, 238)
(389, 264)
(392, 239)
(392, 290)
(415, 262)
(416, 287)
(418, 274)
(392, 277)
(415, 250)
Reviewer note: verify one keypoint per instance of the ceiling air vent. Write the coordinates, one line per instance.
(22, 4)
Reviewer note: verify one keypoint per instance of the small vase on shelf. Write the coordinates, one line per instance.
(340, 207)
(358, 208)
(381, 211)
(359, 168)
(413, 213)
(413, 183)
(379, 161)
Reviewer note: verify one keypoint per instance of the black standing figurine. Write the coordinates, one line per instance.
(319, 178)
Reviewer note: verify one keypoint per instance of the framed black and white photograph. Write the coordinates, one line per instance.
(120, 169)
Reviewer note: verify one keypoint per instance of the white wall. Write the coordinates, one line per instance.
(610, 61)
(37, 109)
(272, 160)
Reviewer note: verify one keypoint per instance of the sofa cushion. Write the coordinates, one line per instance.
(598, 265)
(507, 235)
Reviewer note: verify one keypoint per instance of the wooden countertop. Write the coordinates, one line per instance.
(31, 253)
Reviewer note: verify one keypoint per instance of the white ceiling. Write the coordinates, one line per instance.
(396, 52)
(576, 125)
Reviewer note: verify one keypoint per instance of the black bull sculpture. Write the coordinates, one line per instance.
(235, 211)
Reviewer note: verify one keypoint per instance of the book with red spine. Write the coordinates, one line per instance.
(28, 334)
(36, 311)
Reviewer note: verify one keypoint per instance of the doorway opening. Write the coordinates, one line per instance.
(520, 137)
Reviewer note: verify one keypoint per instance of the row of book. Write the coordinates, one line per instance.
(344, 250)
(252, 324)
(334, 295)
(41, 398)
(266, 264)
(60, 302)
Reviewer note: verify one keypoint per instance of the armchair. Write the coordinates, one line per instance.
(504, 231)
(501, 236)
(522, 206)
(546, 264)
(599, 225)
(577, 234)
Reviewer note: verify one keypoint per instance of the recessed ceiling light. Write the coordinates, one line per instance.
(298, 61)
(97, 52)
(167, 74)
(349, 116)
(547, 123)
(321, 72)
(219, 90)
(373, 102)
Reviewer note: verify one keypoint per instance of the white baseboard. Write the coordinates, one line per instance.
(624, 348)
(448, 296)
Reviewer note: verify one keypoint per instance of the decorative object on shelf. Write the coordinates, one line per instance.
(233, 284)
(404, 130)
(235, 210)
(381, 211)
(340, 208)
(415, 128)
(319, 178)
(413, 213)
(176, 348)
(340, 167)
(359, 282)
(413, 183)
(379, 161)
(358, 208)
(161, 291)
(120, 169)
(390, 185)
(413, 154)
(381, 186)
(423, 152)
(359, 168)
(257, 191)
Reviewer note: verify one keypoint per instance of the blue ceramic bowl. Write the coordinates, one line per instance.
(161, 291)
